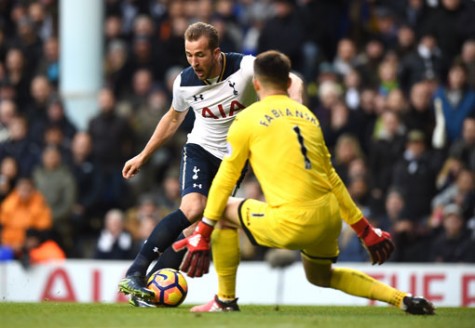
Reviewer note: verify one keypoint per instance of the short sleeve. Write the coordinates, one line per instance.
(178, 102)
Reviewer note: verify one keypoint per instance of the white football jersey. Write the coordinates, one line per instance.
(215, 105)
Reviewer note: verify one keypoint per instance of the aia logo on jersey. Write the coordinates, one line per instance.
(220, 112)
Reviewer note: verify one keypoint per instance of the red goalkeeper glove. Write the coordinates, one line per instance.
(378, 243)
(197, 258)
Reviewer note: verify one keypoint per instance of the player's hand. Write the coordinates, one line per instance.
(377, 242)
(197, 258)
(132, 167)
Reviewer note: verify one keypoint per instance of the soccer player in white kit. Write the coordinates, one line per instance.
(216, 87)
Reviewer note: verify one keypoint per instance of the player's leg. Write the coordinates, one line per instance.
(197, 171)
(162, 236)
(357, 283)
(226, 257)
(317, 261)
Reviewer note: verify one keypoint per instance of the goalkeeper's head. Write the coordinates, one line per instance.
(271, 73)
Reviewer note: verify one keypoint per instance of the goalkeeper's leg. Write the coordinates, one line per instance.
(357, 283)
(226, 256)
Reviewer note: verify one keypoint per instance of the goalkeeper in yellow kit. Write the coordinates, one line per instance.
(305, 199)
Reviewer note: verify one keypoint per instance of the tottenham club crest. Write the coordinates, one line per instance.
(232, 85)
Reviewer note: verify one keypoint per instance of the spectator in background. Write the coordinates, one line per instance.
(449, 172)
(464, 148)
(113, 31)
(396, 101)
(142, 86)
(20, 147)
(467, 57)
(353, 85)
(114, 242)
(144, 122)
(49, 62)
(385, 150)
(8, 176)
(8, 111)
(411, 243)
(367, 118)
(56, 182)
(112, 143)
(18, 76)
(425, 62)
(420, 115)
(345, 59)
(385, 26)
(171, 30)
(329, 93)
(25, 208)
(41, 93)
(414, 13)
(393, 213)
(284, 32)
(457, 101)
(453, 244)
(461, 192)
(347, 149)
(55, 116)
(342, 121)
(406, 41)
(451, 23)
(147, 208)
(39, 248)
(86, 213)
(117, 70)
(28, 40)
(387, 75)
(369, 61)
(42, 19)
(414, 174)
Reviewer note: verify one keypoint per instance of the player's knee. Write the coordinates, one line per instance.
(318, 275)
(193, 205)
(319, 280)
(193, 214)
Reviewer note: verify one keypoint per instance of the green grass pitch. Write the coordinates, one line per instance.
(49, 314)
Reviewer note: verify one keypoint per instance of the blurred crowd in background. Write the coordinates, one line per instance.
(391, 81)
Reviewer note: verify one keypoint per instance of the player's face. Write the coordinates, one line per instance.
(203, 60)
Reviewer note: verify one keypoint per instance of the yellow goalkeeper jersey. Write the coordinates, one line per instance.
(284, 144)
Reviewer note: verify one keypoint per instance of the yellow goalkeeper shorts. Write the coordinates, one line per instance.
(312, 227)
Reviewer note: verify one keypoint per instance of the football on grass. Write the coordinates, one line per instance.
(170, 287)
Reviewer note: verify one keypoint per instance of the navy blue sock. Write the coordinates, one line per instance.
(169, 258)
(161, 238)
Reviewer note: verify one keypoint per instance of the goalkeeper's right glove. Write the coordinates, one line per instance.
(377, 242)
(197, 258)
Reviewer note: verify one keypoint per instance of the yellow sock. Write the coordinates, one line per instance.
(357, 283)
(226, 256)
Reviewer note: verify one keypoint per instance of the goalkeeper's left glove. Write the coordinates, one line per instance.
(377, 242)
(197, 258)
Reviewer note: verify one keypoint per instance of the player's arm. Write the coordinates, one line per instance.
(165, 129)
(296, 88)
(378, 243)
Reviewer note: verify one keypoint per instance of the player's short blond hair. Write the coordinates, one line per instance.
(199, 29)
